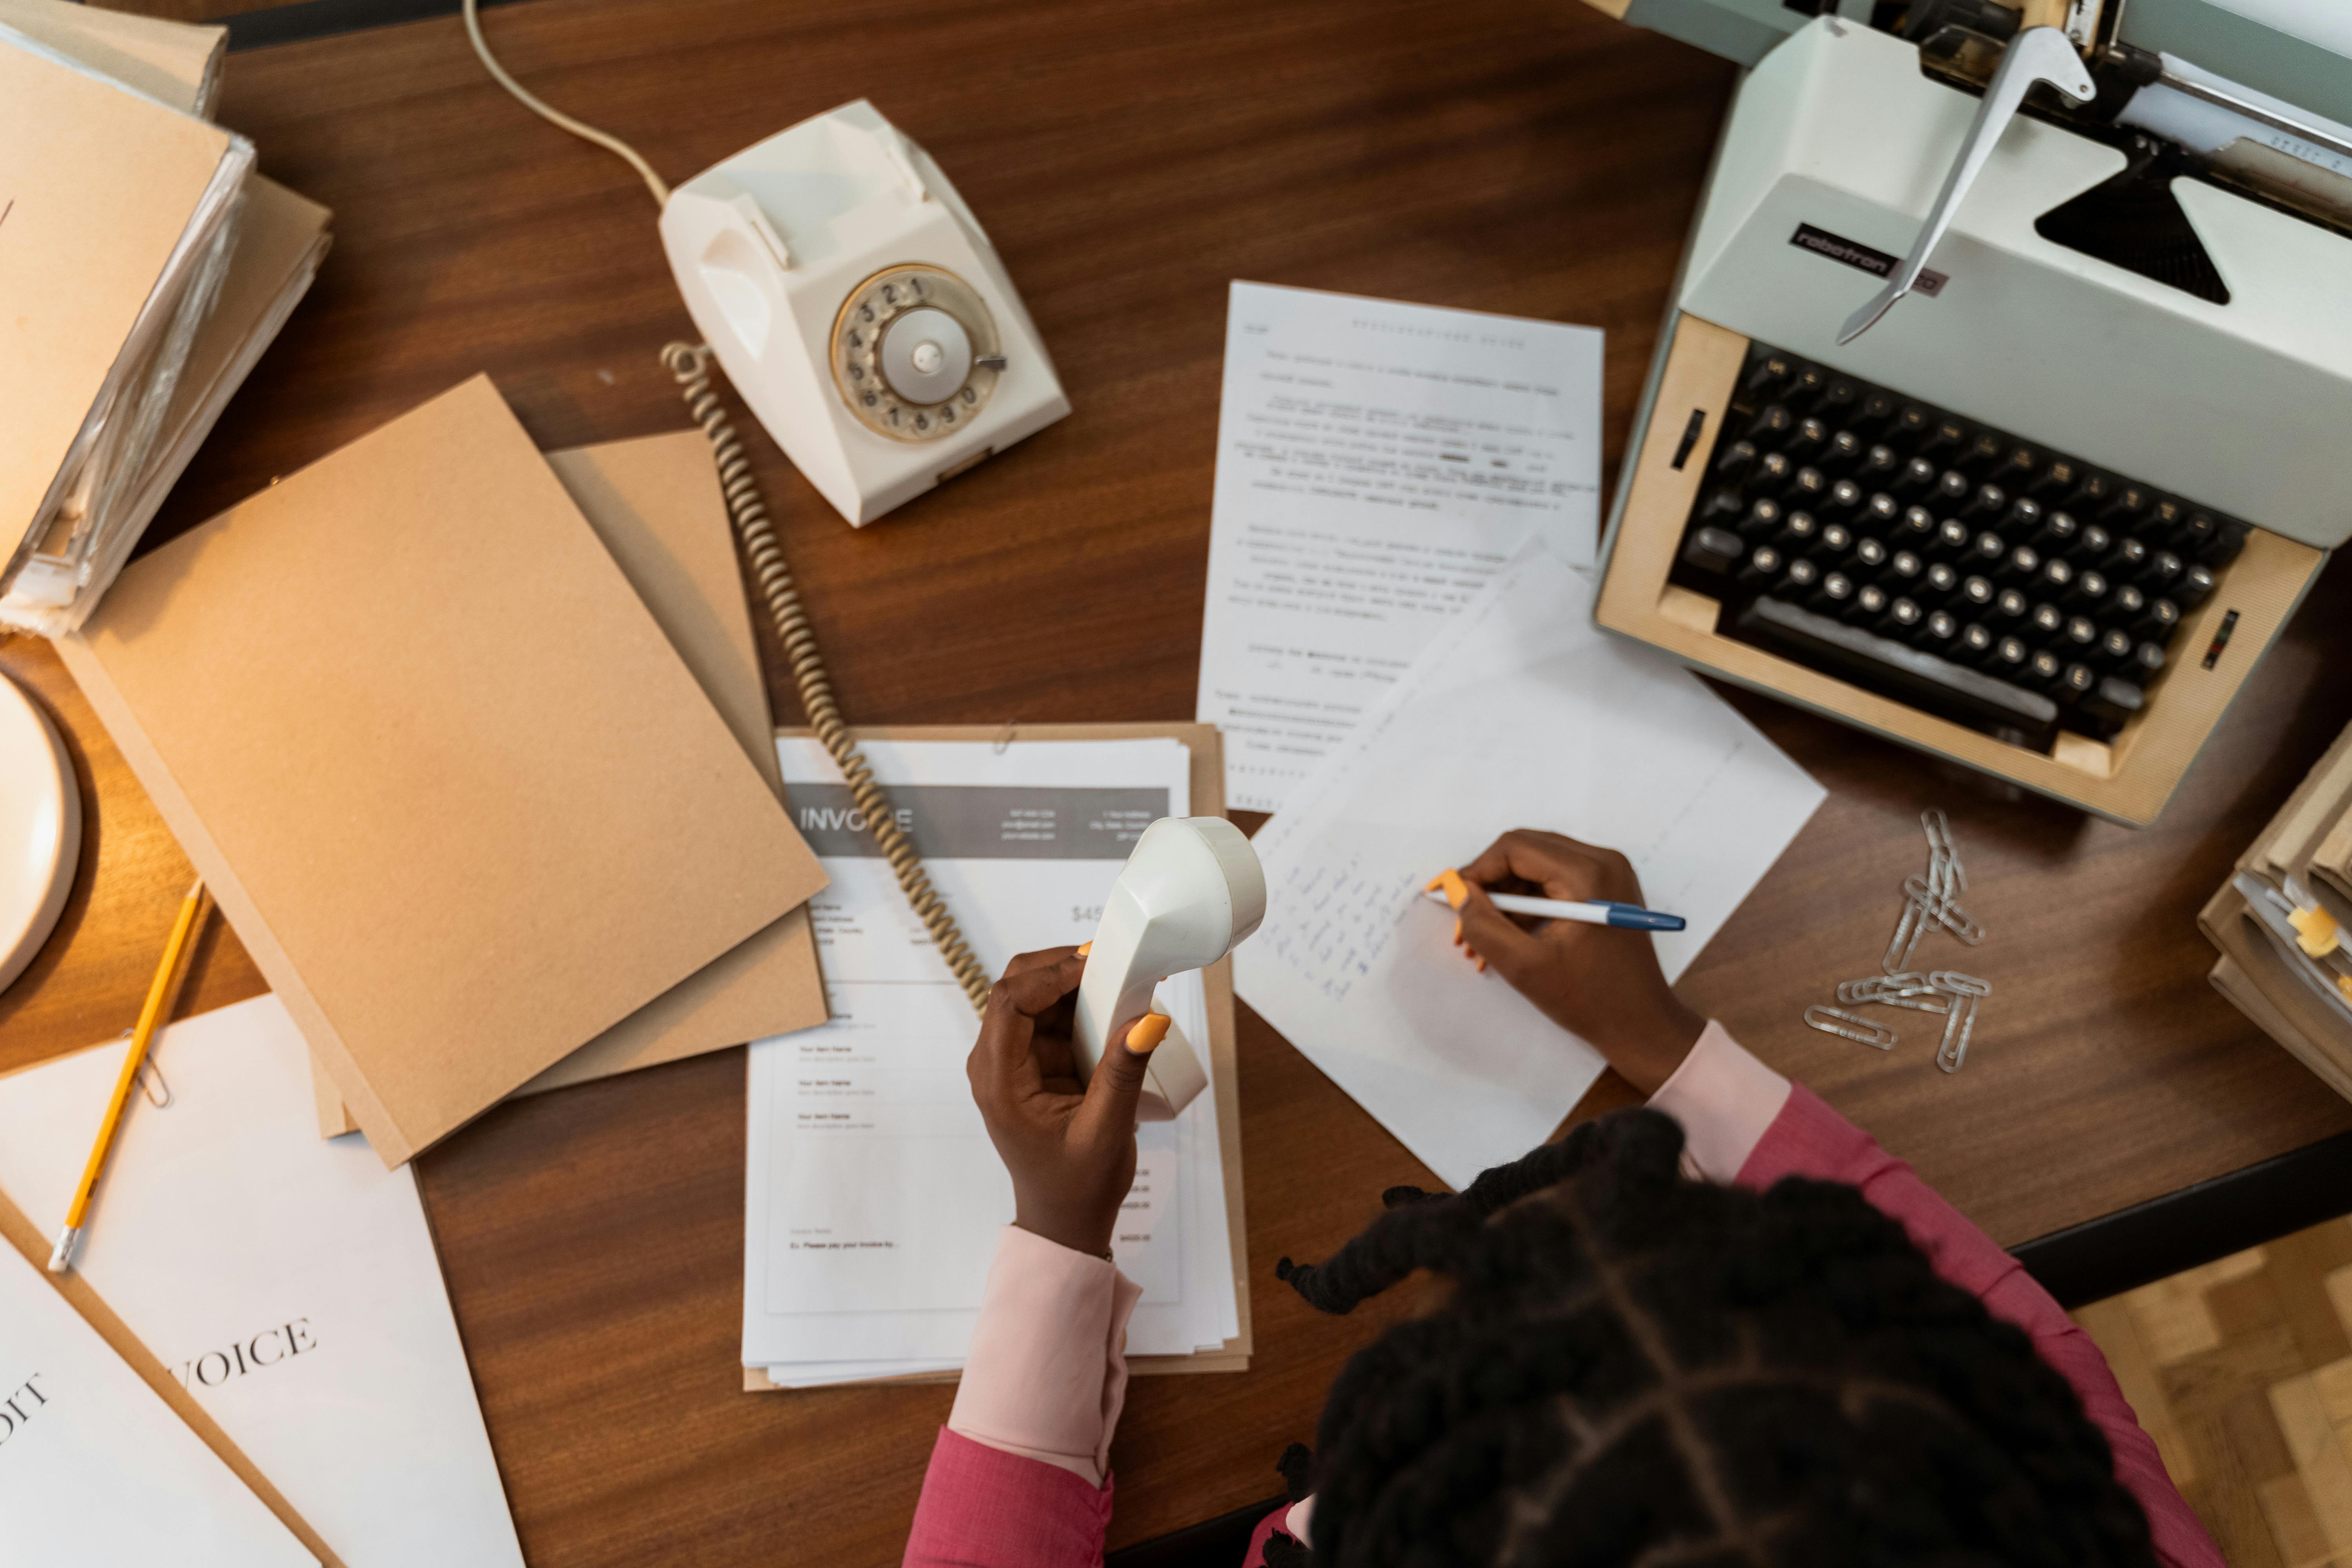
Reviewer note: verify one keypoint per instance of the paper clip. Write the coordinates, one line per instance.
(1846, 1027)
(1940, 907)
(1959, 984)
(1911, 990)
(1908, 932)
(1953, 1051)
(153, 1084)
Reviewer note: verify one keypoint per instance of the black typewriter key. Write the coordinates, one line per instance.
(1976, 642)
(2194, 535)
(1762, 516)
(1978, 456)
(2015, 470)
(2009, 606)
(2125, 507)
(1978, 592)
(2041, 671)
(2022, 565)
(1771, 425)
(1809, 438)
(1911, 426)
(1985, 502)
(2230, 537)
(2076, 681)
(1734, 461)
(2090, 496)
(1838, 398)
(1937, 631)
(2124, 601)
(2056, 577)
(2196, 585)
(1952, 490)
(1903, 571)
(1843, 452)
(2115, 648)
(1878, 465)
(1988, 550)
(2147, 664)
(1723, 503)
(2008, 658)
(2157, 622)
(1869, 557)
(1945, 440)
(1798, 531)
(1943, 579)
(1844, 499)
(1874, 412)
(1870, 602)
(1833, 544)
(1883, 511)
(1806, 485)
(2057, 533)
(1771, 471)
(1806, 386)
(2107, 708)
(2162, 571)
(2081, 634)
(1799, 576)
(2023, 517)
(2126, 560)
(1916, 482)
(1763, 564)
(1715, 550)
(1902, 618)
(2056, 480)
(2091, 544)
(2090, 590)
(2048, 620)
(1951, 541)
(1769, 374)
(1917, 526)
(1832, 594)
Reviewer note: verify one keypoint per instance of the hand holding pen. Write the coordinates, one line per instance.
(1601, 984)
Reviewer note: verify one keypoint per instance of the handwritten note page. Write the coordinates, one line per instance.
(1377, 463)
(1521, 714)
(290, 1282)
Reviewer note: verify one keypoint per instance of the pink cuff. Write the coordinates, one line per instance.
(1724, 1099)
(1047, 1372)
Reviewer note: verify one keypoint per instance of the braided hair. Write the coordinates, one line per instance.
(1634, 1368)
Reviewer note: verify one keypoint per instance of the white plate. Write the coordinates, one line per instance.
(40, 829)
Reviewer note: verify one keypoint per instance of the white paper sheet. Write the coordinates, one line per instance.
(1520, 715)
(95, 1470)
(288, 1282)
(872, 1196)
(1376, 464)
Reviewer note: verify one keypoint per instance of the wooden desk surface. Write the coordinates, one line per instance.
(1130, 160)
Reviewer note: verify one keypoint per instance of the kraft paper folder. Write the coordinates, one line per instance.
(1208, 792)
(25, 1238)
(177, 63)
(657, 505)
(453, 788)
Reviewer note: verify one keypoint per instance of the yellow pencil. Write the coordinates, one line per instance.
(160, 993)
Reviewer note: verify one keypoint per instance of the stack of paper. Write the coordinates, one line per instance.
(2281, 923)
(451, 781)
(289, 1285)
(1520, 714)
(873, 1194)
(145, 270)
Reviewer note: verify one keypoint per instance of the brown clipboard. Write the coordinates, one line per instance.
(1208, 795)
(27, 1240)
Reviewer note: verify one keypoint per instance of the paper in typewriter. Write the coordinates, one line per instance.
(1521, 714)
(1376, 464)
(290, 1285)
(95, 1467)
(873, 1194)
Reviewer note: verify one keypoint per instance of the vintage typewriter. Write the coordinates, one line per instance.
(2038, 495)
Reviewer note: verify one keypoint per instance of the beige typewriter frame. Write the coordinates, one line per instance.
(2128, 780)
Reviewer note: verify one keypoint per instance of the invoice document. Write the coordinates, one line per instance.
(873, 1194)
(95, 1470)
(1376, 464)
(290, 1283)
(1521, 714)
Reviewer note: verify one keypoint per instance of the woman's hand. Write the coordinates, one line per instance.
(1600, 982)
(1070, 1149)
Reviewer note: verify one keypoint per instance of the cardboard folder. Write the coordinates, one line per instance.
(177, 63)
(655, 504)
(1208, 799)
(452, 785)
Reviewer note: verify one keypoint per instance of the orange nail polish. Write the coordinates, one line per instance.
(1457, 891)
(1482, 966)
(1148, 1031)
(1458, 931)
(1084, 948)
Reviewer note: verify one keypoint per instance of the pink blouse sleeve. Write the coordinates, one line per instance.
(1748, 1123)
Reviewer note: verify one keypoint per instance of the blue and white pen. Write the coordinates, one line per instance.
(1591, 911)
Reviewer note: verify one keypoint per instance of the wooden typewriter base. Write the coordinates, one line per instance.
(2127, 779)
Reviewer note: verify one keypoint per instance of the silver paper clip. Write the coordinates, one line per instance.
(1846, 1027)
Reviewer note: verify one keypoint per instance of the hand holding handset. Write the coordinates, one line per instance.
(1190, 892)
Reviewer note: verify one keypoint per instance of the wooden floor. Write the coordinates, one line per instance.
(2242, 1370)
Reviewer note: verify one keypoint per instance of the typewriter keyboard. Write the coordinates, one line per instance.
(1939, 560)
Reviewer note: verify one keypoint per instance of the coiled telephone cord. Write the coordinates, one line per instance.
(690, 363)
